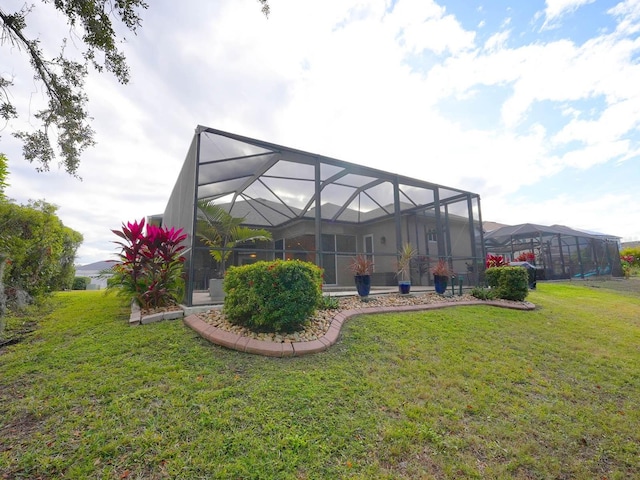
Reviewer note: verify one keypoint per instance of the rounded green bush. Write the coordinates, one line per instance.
(80, 283)
(274, 296)
(510, 283)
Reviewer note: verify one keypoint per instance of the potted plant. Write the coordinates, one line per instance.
(221, 231)
(362, 268)
(405, 255)
(441, 274)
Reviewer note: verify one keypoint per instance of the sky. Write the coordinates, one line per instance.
(533, 105)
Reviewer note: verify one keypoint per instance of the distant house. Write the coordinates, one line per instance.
(93, 271)
(322, 210)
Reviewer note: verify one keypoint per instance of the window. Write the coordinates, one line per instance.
(334, 246)
(346, 244)
(368, 247)
(279, 249)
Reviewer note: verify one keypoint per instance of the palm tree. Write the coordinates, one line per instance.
(221, 231)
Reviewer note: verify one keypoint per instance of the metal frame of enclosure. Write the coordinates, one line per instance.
(322, 210)
(561, 252)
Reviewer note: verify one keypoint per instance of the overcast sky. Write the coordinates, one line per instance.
(535, 105)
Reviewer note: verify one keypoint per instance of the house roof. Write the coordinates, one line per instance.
(95, 266)
(489, 226)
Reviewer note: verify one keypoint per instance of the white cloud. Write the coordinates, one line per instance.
(628, 13)
(557, 8)
(424, 25)
(614, 122)
(497, 40)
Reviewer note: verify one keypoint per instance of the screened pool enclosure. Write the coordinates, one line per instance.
(560, 252)
(321, 210)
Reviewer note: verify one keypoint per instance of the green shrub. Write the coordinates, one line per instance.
(483, 293)
(329, 303)
(272, 296)
(39, 248)
(634, 253)
(80, 283)
(509, 283)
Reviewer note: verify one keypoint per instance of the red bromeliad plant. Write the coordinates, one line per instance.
(526, 257)
(627, 261)
(150, 266)
(495, 261)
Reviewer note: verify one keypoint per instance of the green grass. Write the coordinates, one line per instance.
(465, 392)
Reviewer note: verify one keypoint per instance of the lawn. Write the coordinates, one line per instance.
(464, 392)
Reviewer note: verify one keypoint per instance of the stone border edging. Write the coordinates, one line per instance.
(241, 343)
(136, 317)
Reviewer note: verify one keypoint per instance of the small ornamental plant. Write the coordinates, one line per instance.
(150, 266)
(405, 256)
(361, 265)
(484, 293)
(495, 261)
(627, 262)
(442, 269)
(526, 257)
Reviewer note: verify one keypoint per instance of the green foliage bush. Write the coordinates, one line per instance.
(39, 249)
(509, 283)
(484, 293)
(630, 261)
(80, 283)
(272, 296)
(632, 252)
(329, 303)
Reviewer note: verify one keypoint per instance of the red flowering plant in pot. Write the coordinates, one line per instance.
(362, 267)
(149, 269)
(441, 275)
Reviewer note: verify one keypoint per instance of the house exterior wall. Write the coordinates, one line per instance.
(414, 229)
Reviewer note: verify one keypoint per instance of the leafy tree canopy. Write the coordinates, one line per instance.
(38, 248)
(4, 173)
(65, 116)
